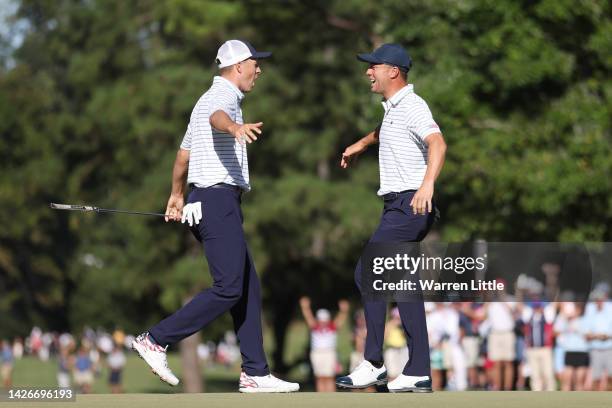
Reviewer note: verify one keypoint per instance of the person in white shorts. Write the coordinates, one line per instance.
(501, 344)
(323, 339)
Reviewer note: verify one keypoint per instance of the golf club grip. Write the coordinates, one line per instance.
(72, 207)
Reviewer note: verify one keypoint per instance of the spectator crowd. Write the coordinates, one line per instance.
(497, 345)
(500, 345)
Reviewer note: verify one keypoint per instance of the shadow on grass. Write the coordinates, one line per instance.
(211, 385)
(221, 385)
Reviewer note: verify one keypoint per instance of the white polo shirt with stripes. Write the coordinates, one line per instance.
(402, 153)
(216, 157)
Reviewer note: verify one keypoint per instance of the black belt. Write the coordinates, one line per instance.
(222, 185)
(394, 195)
(227, 186)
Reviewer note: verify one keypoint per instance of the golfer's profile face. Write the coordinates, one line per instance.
(376, 73)
(250, 73)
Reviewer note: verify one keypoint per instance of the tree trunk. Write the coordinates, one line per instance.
(281, 322)
(192, 372)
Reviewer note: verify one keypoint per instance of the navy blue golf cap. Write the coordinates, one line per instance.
(390, 54)
(234, 51)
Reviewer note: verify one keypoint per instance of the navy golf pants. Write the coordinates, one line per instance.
(235, 282)
(399, 224)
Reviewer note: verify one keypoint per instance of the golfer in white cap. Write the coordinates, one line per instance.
(212, 160)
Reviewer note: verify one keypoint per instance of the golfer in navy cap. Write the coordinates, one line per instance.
(411, 154)
(212, 160)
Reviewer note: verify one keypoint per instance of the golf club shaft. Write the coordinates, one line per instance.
(88, 208)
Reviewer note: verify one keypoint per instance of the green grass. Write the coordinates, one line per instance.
(137, 378)
(145, 390)
(467, 399)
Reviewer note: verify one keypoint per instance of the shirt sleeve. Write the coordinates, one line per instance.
(225, 102)
(421, 122)
(186, 143)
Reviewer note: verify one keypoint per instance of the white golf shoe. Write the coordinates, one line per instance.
(266, 383)
(407, 383)
(155, 356)
(364, 376)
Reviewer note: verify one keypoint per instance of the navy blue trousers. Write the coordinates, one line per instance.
(235, 282)
(399, 224)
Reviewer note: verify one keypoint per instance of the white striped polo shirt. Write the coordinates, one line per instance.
(402, 152)
(216, 157)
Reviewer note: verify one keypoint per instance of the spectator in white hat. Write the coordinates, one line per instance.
(598, 330)
(323, 339)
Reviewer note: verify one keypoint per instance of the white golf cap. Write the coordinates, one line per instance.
(323, 315)
(235, 51)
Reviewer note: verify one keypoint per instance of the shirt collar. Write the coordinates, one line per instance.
(224, 82)
(393, 101)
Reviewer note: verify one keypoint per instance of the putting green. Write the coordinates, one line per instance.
(468, 399)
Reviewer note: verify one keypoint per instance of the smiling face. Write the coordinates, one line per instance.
(379, 77)
(249, 72)
(385, 79)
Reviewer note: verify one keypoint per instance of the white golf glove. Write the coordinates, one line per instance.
(192, 213)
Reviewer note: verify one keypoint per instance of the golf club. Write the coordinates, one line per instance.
(87, 208)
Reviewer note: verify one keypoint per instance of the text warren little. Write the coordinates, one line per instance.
(429, 285)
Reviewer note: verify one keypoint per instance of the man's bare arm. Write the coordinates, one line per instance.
(359, 147)
(176, 201)
(247, 132)
(307, 312)
(436, 152)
